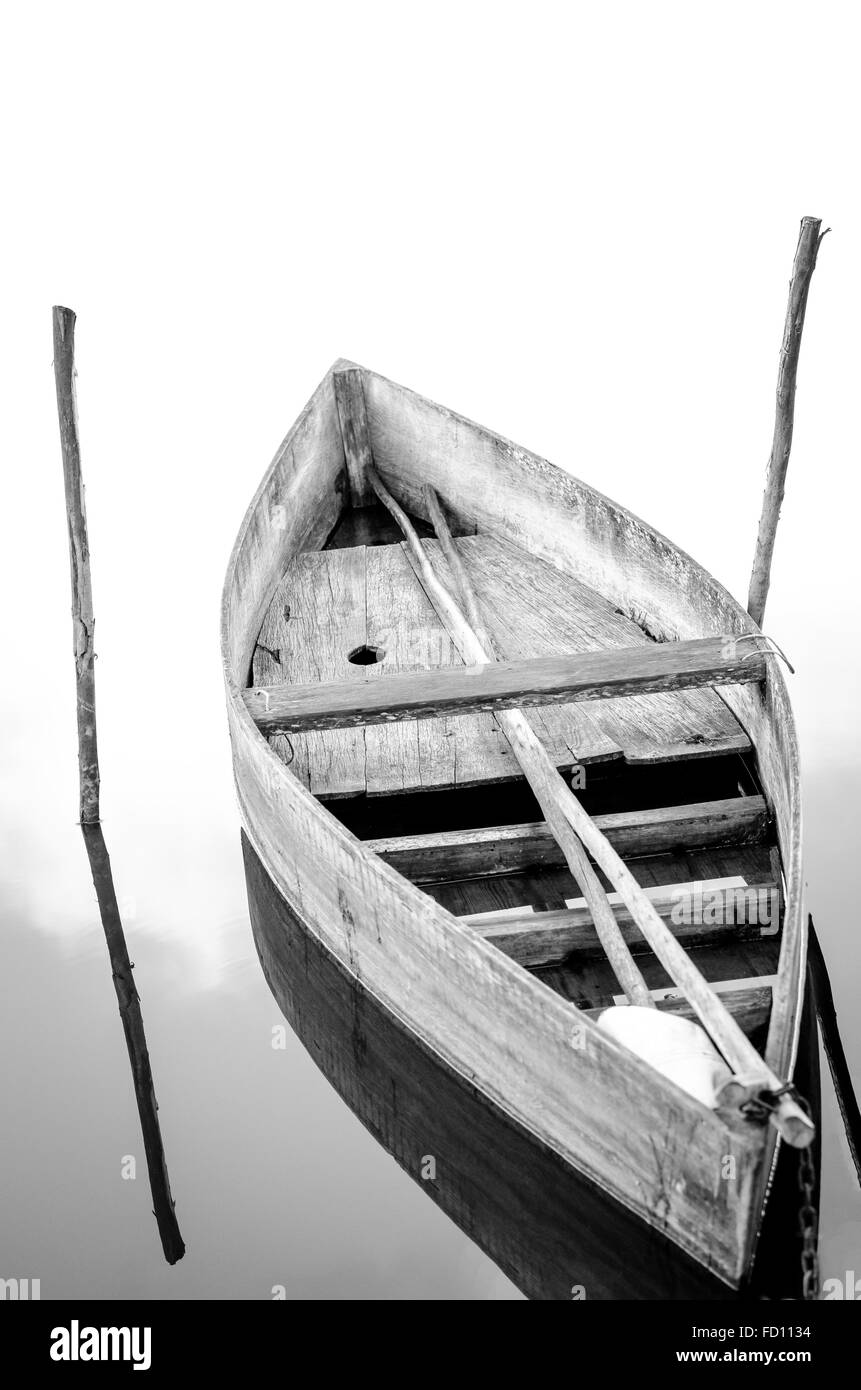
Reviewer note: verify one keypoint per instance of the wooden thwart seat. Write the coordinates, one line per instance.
(543, 680)
(697, 919)
(453, 854)
(332, 602)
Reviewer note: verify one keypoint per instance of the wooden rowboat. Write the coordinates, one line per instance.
(385, 806)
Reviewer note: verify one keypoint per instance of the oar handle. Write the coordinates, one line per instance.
(754, 1078)
(781, 1107)
(475, 644)
(792, 1123)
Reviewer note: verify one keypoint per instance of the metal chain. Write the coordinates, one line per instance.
(808, 1223)
(759, 1107)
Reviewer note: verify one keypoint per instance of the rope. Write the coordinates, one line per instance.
(757, 651)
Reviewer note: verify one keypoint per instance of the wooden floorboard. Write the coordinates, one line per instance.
(345, 598)
(317, 617)
(533, 609)
(522, 622)
(428, 753)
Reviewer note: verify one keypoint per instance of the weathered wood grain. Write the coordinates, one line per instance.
(459, 609)
(545, 1225)
(83, 619)
(526, 613)
(453, 854)
(457, 752)
(547, 680)
(520, 498)
(751, 1074)
(533, 609)
(552, 889)
(83, 624)
(505, 1030)
(350, 400)
(316, 619)
(534, 1215)
(293, 510)
(502, 1028)
(589, 984)
(564, 814)
(401, 623)
(266, 669)
(696, 919)
(330, 603)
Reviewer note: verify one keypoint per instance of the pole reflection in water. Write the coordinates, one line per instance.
(133, 1027)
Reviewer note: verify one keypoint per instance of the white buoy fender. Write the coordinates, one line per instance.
(674, 1046)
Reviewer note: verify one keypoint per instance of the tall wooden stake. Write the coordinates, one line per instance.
(88, 762)
(802, 271)
(83, 622)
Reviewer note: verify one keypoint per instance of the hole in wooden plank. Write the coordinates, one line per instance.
(366, 656)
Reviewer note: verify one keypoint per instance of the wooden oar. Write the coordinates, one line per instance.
(561, 807)
(542, 778)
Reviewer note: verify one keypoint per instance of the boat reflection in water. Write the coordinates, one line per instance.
(553, 1233)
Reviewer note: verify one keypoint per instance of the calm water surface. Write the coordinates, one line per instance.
(275, 1181)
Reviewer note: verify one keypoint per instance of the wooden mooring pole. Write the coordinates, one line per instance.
(83, 625)
(83, 622)
(809, 241)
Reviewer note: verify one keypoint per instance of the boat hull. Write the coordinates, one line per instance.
(554, 1234)
(529, 1052)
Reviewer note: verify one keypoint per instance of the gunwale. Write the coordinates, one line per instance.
(295, 507)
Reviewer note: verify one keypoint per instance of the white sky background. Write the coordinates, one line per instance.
(572, 223)
(575, 226)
